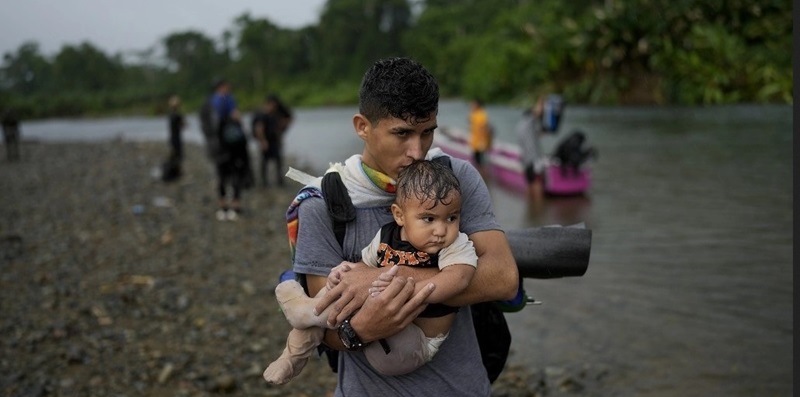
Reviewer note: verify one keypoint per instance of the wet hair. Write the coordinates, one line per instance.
(398, 87)
(427, 180)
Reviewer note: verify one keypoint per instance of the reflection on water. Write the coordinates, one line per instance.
(689, 288)
(559, 210)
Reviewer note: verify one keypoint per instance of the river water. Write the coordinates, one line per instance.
(690, 284)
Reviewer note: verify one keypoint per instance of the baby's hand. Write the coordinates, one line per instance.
(335, 275)
(383, 281)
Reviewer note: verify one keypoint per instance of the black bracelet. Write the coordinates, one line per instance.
(385, 346)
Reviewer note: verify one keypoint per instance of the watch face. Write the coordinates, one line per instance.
(343, 337)
(348, 336)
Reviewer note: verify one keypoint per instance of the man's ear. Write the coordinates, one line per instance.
(397, 213)
(361, 125)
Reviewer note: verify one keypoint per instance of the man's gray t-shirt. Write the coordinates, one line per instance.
(457, 369)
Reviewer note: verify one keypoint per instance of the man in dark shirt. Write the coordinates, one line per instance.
(11, 135)
(269, 127)
(176, 125)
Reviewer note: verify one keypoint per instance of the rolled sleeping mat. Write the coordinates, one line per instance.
(551, 251)
(542, 252)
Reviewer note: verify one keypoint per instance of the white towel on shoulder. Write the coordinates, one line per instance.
(362, 191)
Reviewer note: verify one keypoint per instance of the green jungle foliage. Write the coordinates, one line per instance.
(686, 52)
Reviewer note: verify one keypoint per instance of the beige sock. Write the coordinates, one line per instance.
(300, 344)
(298, 307)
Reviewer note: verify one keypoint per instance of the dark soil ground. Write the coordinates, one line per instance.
(114, 283)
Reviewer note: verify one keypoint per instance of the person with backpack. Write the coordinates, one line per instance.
(424, 233)
(232, 159)
(398, 106)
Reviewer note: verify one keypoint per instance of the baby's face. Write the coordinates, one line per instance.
(429, 229)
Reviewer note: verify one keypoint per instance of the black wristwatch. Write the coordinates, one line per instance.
(348, 336)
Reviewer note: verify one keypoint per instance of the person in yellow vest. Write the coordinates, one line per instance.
(480, 140)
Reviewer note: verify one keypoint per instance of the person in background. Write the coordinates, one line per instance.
(209, 125)
(171, 169)
(572, 152)
(269, 127)
(529, 134)
(232, 159)
(11, 134)
(396, 120)
(480, 135)
(177, 123)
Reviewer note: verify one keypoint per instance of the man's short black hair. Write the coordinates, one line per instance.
(398, 87)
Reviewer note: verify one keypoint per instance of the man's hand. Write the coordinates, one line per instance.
(349, 294)
(393, 309)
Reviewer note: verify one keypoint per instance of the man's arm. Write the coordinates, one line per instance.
(380, 316)
(449, 282)
(496, 278)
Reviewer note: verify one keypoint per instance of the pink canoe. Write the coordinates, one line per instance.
(506, 168)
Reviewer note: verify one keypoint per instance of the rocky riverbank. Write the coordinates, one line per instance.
(114, 283)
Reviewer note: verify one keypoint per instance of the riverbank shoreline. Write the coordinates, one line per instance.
(116, 283)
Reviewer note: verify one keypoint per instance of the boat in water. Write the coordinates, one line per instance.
(506, 168)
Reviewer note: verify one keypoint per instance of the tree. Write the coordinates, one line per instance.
(268, 54)
(26, 71)
(355, 33)
(448, 33)
(85, 68)
(194, 60)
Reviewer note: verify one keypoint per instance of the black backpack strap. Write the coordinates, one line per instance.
(444, 160)
(340, 206)
(342, 211)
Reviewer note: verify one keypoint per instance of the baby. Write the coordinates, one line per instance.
(424, 234)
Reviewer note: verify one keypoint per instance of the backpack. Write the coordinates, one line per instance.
(553, 109)
(208, 117)
(491, 328)
(232, 134)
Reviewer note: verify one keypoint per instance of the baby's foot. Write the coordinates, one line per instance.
(300, 344)
(284, 369)
(297, 306)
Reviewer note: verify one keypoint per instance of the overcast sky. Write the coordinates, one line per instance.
(127, 25)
